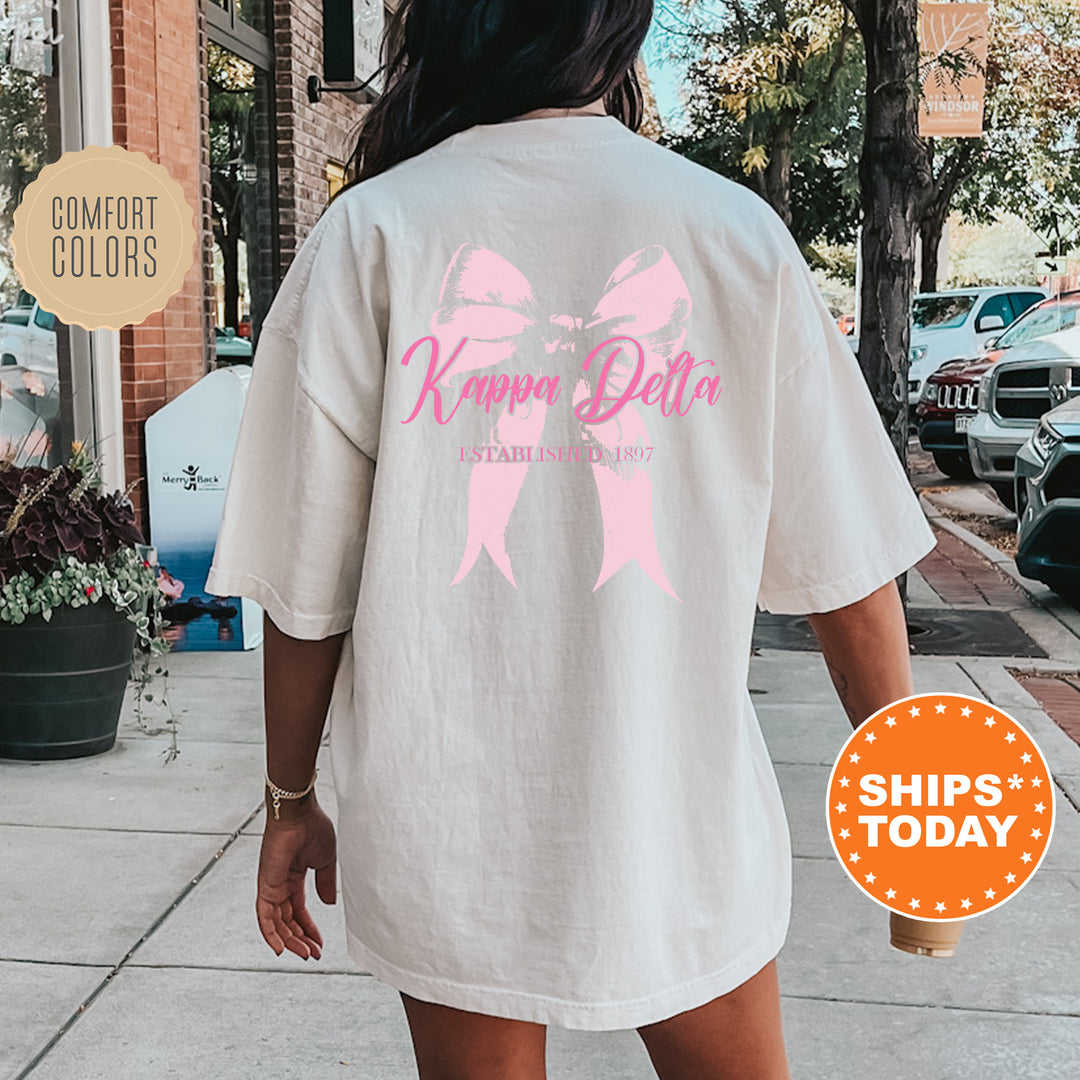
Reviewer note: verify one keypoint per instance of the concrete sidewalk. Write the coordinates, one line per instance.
(129, 949)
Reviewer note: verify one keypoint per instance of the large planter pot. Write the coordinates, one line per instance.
(62, 682)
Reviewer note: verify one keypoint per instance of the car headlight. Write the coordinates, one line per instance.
(1045, 438)
(930, 391)
(984, 391)
(916, 353)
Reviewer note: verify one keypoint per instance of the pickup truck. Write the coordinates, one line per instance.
(1013, 395)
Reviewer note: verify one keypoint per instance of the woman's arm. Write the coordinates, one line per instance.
(866, 651)
(298, 677)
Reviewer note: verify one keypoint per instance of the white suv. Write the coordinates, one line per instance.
(957, 325)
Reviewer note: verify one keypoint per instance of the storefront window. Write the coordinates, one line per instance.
(252, 13)
(241, 171)
(36, 422)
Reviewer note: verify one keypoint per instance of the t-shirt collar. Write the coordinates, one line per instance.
(576, 129)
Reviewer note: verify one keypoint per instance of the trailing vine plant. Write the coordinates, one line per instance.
(66, 542)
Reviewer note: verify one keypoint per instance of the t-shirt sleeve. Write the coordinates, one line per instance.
(843, 517)
(294, 526)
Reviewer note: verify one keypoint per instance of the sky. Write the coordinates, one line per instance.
(666, 77)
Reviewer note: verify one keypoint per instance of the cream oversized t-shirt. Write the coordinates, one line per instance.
(538, 417)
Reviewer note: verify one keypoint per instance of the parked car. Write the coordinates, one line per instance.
(230, 347)
(949, 399)
(1048, 501)
(28, 338)
(956, 325)
(1013, 395)
(945, 410)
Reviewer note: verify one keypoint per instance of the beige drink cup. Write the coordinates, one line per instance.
(924, 937)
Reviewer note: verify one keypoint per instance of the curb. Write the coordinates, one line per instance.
(1036, 592)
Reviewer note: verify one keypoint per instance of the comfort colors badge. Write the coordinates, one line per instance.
(103, 237)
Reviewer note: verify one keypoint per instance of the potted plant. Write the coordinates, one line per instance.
(79, 603)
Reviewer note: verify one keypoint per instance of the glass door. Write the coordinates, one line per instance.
(242, 176)
(36, 384)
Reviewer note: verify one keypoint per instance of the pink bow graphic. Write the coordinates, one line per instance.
(486, 299)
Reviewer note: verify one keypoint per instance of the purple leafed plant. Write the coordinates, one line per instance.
(47, 514)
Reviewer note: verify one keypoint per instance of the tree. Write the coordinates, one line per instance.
(773, 100)
(738, 109)
(894, 178)
(959, 162)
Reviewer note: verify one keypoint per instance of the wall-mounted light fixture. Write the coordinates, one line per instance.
(352, 34)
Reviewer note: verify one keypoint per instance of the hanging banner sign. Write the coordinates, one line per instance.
(952, 64)
(368, 19)
(352, 32)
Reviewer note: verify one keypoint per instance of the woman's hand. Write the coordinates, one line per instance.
(303, 839)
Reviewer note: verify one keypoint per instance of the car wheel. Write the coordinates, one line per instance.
(1067, 588)
(954, 463)
(1006, 492)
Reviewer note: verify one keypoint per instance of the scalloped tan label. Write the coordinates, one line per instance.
(103, 237)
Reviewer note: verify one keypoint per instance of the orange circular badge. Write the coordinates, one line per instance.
(103, 237)
(941, 807)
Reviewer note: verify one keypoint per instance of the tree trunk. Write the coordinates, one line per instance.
(776, 180)
(931, 228)
(894, 177)
(937, 200)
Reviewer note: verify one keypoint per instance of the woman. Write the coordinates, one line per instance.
(540, 411)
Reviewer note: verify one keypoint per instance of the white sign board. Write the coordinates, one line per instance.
(368, 19)
(190, 444)
(1051, 266)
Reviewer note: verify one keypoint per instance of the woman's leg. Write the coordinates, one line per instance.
(734, 1037)
(453, 1044)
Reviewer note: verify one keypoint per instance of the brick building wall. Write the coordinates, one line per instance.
(205, 206)
(309, 135)
(160, 107)
(157, 106)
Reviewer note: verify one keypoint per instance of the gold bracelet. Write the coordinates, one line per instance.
(280, 793)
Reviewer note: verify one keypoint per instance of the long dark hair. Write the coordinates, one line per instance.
(450, 64)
